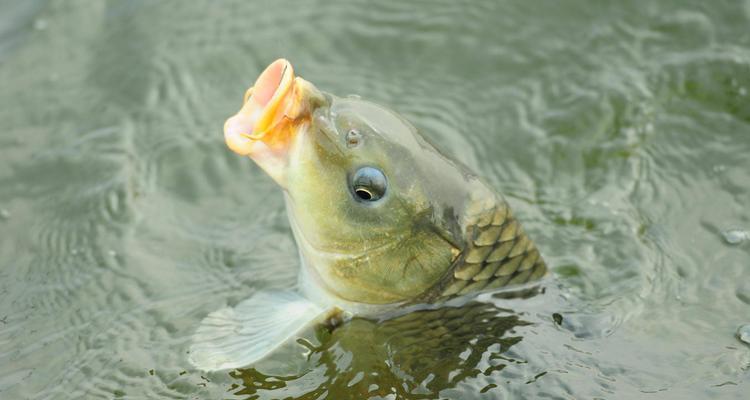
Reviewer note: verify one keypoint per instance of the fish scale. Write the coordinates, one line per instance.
(497, 253)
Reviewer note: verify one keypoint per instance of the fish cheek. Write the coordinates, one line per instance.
(316, 184)
(398, 261)
(400, 270)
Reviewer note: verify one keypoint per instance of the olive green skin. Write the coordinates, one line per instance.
(437, 231)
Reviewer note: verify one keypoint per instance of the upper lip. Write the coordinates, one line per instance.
(272, 109)
(271, 92)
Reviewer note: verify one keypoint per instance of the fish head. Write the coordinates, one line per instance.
(373, 206)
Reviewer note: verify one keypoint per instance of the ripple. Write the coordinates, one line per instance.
(414, 356)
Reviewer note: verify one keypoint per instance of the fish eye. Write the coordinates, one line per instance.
(368, 184)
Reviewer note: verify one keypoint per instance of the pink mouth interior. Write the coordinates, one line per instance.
(239, 129)
(268, 83)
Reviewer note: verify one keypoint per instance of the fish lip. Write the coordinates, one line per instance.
(275, 112)
(261, 106)
(286, 70)
(280, 75)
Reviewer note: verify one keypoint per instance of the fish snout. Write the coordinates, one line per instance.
(275, 109)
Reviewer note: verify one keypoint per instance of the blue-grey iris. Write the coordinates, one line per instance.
(368, 184)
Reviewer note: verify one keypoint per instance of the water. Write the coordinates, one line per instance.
(619, 133)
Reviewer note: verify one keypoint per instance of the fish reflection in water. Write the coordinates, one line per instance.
(415, 355)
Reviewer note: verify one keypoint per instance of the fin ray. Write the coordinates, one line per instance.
(239, 336)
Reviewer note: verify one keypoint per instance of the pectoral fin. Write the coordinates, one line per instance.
(239, 336)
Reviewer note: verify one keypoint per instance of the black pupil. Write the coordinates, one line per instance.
(363, 194)
(368, 184)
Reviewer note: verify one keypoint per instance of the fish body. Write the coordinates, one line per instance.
(382, 219)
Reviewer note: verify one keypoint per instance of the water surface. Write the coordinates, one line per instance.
(619, 132)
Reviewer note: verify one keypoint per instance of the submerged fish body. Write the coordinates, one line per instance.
(382, 219)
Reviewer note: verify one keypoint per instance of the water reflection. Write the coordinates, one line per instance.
(413, 356)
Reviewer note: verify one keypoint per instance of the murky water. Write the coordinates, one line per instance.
(620, 134)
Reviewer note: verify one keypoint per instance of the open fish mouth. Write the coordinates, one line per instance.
(275, 109)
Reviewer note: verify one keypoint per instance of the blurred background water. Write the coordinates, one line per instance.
(619, 132)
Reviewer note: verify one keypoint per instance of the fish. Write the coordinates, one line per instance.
(384, 222)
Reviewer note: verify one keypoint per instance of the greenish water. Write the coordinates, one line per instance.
(619, 132)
